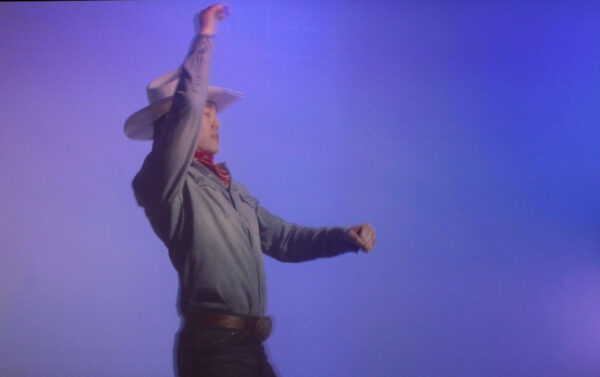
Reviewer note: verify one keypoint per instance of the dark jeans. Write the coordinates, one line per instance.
(204, 351)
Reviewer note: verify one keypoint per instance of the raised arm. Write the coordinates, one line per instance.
(162, 175)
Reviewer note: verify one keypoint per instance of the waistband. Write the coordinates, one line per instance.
(259, 327)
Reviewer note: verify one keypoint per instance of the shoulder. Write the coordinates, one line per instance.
(244, 194)
(239, 187)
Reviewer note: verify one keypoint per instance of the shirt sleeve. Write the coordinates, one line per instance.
(289, 242)
(162, 175)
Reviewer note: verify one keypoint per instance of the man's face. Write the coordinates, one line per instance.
(209, 132)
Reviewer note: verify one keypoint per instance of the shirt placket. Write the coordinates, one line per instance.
(256, 253)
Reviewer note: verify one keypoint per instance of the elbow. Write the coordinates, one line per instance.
(139, 191)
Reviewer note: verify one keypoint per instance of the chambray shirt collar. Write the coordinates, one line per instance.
(206, 172)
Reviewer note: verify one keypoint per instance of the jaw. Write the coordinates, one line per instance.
(213, 148)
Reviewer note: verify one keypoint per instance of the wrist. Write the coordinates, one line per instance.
(208, 27)
(348, 241)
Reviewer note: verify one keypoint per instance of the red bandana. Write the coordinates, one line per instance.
(221, 171)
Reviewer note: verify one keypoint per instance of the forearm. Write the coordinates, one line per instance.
(304, 244)
(290, 242)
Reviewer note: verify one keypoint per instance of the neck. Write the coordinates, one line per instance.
(206, 159)
(204, 156)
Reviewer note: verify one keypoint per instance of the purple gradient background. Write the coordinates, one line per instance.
(467, 134)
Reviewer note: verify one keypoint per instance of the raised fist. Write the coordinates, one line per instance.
(210, 16)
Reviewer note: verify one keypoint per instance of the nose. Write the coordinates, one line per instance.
(216, 124)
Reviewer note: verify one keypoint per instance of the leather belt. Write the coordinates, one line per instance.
(260, 327)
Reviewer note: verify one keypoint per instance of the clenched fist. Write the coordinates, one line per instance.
(210, 16)
(362, 236)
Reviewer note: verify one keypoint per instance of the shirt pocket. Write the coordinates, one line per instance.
(213, 196)
(249, 210)
(250, 200)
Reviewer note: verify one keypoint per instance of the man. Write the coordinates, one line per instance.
(215, 231)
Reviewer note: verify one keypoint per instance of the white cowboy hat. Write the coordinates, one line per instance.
(160, 92)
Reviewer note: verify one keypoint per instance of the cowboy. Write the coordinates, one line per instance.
(215, 231)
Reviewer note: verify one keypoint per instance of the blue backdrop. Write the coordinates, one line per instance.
(465, 132)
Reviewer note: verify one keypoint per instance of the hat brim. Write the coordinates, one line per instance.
(140, 125)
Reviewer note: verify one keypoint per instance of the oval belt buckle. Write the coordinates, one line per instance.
(262, 328)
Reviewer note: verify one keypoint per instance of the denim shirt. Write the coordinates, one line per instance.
(216, 235)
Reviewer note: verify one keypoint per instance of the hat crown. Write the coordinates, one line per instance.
(163, 87)
(160, 94)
